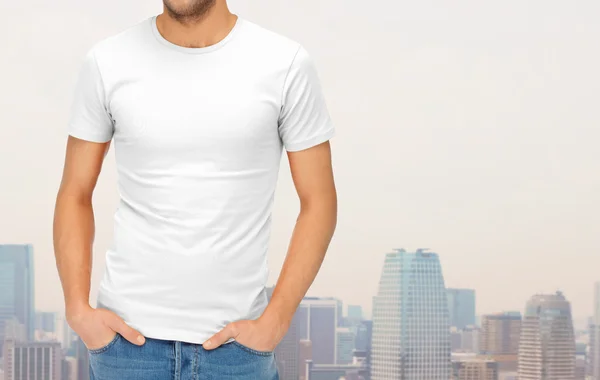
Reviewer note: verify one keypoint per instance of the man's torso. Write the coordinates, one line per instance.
(198, 136)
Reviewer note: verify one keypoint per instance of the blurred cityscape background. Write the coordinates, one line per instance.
(419, 329)
(471, 127)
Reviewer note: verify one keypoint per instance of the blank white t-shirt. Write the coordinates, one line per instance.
(198, 137)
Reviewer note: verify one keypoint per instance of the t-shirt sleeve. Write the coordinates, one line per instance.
(304, 119)
(90, 119)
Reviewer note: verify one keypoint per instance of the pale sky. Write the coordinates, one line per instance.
(467, 127)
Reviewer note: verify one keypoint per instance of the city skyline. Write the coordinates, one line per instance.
(409, 336)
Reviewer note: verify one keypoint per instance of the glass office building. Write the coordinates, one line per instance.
(16, 282)
(411, 327)
(318, 319)
(461, 306)
(547, 344)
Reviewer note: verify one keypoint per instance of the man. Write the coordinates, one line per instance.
(200, 104)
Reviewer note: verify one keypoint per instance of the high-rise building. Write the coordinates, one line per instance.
(83, 360)
(593, 359)
(364, 333)
(360, 360)
(581, 356)
(16, 282)
(32, 360)
(500, 333)
(355, 314)
(362, 345)
(594, 355)
(318, 319)
(547, 344)
(64, 333)
(411, 327)
(580, 368)
(315, 320)
(461, 307)
(345, 345)
(305, 355)
(455, 339)
(70, 368)
(470, 339)
(475, 369)
(286, 352)
(465, 340)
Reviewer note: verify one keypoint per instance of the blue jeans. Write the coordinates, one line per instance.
(160, 359)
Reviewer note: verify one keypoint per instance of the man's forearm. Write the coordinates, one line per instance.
(310, 240)
(73, 239)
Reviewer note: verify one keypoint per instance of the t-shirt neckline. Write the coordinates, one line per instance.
(190, 50)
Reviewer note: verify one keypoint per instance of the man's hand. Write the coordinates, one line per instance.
(97, 327)
(259, 334)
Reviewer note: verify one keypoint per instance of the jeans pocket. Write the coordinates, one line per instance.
(100, 350)
(252, 350)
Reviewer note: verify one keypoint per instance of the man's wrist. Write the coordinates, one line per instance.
(75, 311)
(275, 319)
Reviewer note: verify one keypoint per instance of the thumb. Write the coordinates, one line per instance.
(118, 324)
(221, 337)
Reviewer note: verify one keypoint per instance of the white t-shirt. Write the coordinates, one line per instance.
(198, 137)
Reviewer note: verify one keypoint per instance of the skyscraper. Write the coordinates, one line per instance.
(318, 319)
(286, 352)
(32, 360)
(594, 358)
(500, 333)
(469, 339)
(345, 345)
(70, 368)
(355, 316)
(83, 360)
(411, 327)
(364, 334)
(547, 344)
(16, 282)
(362, 345)
(304, 355)
(461, 307)
(355, 312)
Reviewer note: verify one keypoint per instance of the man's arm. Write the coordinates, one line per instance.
(313, 178)
(73, 240)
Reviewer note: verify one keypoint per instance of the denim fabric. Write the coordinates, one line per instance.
(174, 360)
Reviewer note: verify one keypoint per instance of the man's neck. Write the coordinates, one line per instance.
(208, 30)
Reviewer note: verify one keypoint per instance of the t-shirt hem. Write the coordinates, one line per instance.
(309, 143)
(149, 328)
